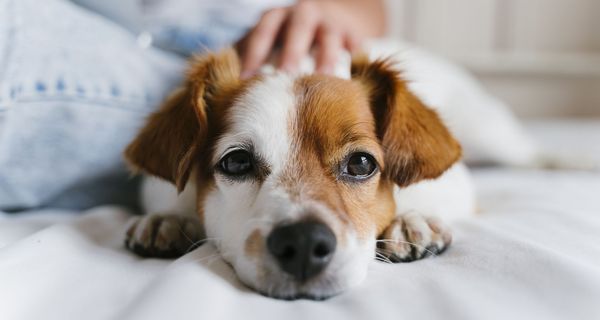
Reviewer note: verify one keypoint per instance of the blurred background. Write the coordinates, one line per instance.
(540, 56)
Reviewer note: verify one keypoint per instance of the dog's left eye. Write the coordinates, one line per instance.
(236, 163)
(360, 165)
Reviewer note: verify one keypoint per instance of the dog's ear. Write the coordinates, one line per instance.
(174, 136)
(416, 143)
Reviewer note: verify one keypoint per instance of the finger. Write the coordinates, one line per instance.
(261, 39)
(299, 35)
(330, 44)
(353, 43)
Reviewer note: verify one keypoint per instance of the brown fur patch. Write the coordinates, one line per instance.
(203, 186)
(255, 244)
(374, 113)
(169, 144)
(179, 136)
(418, 145)
(334, 119)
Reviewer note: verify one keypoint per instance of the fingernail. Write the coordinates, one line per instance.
(288, 67)
(327, 70)
(246, 74)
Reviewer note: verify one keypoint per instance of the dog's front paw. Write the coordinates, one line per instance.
(164, 236)
(412, 237)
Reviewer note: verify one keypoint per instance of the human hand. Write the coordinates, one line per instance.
(328, 25)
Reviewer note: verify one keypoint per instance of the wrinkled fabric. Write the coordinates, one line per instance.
(533, 252)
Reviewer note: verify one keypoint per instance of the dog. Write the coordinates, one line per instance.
(300, 180)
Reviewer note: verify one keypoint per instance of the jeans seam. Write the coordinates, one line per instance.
(110, 103)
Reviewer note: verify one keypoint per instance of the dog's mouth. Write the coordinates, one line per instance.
(302, 296)
(290, 290)
(306, 254)
(301, 257)
(301, 261)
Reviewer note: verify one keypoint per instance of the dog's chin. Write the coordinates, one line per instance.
(301, 296)
(347, 269)
(281, 286)
(295, 291)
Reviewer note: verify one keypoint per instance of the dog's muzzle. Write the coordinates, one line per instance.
(302, 249)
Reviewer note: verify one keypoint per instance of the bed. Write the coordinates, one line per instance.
(533, 252)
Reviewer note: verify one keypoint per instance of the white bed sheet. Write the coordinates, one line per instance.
(532, 253)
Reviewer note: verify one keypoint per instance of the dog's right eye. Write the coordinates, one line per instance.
(236, 163)
(359, 166)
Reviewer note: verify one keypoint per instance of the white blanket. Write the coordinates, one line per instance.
(532, 253)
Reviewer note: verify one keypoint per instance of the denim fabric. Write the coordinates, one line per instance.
(74, 89)
(185, 26)
(76, 84)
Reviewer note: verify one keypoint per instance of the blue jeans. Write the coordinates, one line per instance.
(74, 89)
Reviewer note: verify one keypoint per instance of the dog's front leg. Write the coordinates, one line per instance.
(171, 226)
(413, 236)
(164, 235)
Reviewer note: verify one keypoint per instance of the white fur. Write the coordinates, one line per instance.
(451, 196)
(160, 196)
(229, 222)
(272, 102)
(233, 210)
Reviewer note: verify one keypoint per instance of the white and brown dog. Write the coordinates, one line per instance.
(301, 180)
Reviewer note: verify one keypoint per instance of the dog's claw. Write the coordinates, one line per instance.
(164, 236)
(412, 237)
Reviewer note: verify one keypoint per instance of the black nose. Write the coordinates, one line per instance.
(302, 249)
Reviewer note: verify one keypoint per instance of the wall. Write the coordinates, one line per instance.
(540, 56)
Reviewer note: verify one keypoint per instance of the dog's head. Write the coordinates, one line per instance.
(295, 174)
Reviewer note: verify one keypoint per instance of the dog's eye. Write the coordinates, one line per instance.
(360, 165)
(236, 163)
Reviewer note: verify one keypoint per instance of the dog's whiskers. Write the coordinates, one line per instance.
(186, 236)
(211, 258)
(381, 257)
(196, 244)
(432, 253)
(406, 242)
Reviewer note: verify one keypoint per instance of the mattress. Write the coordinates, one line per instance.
(532, 252)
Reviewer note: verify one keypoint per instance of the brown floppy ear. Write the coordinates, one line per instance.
(416, 143)
(170, 142)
